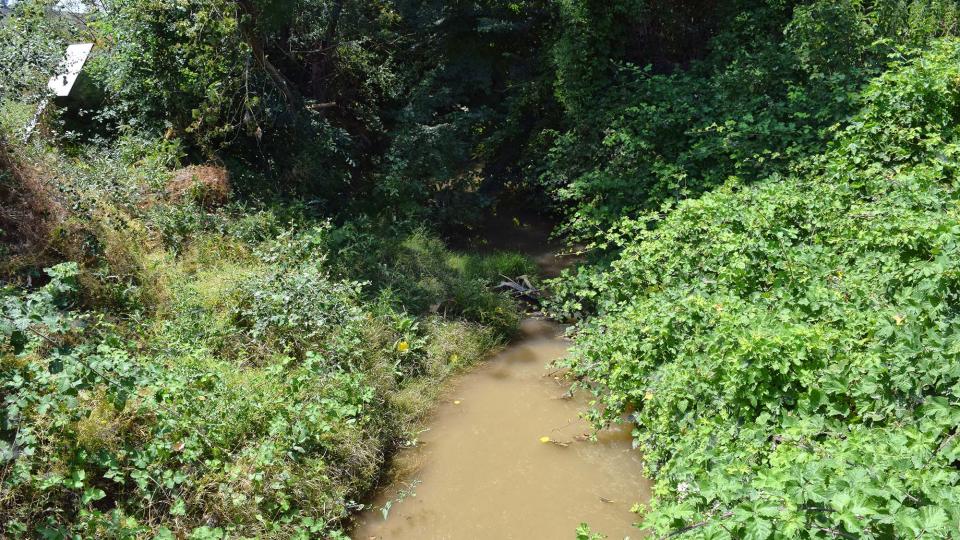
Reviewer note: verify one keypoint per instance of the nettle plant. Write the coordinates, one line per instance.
(790, 349)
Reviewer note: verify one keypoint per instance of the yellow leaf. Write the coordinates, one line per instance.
(544, 439)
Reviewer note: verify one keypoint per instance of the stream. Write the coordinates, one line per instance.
(505, 455)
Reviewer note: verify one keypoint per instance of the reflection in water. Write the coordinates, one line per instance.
(483, 472)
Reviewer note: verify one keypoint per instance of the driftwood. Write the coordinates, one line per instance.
(322, 106)
(521, 288)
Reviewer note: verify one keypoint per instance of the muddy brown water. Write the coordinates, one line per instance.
(482, 471)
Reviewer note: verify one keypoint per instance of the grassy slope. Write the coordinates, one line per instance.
(202, 371)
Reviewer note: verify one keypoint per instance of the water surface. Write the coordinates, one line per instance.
(481, 471)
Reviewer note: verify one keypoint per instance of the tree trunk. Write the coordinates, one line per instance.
(321, 61)
(249, 29)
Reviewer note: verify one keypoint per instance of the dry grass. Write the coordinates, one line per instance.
(30, 211)
(206, 185)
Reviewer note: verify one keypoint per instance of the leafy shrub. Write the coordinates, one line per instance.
(413, 270)
(33, 44)
(291, 309)
(181, 64)
(789, 346)
(775, 77)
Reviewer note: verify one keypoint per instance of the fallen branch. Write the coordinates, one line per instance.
(322, 106)
(697, 525)
(521, 287)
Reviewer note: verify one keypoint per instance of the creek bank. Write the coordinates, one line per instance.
(505, 454)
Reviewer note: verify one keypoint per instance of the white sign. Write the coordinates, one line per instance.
(69, 69)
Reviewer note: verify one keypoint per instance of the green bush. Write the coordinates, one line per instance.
(789, 347)
(32, 46)
(292, 310)
(412, 270)
(774, 77)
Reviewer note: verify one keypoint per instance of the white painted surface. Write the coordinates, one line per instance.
(69, 69)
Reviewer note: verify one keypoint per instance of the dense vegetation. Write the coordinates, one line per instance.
(249, 374)
(786, 341)
(789, 346)
(226, 297)
(218, 348)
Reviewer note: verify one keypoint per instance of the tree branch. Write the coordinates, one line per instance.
(697, 525)
(290, 93)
